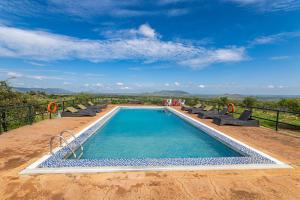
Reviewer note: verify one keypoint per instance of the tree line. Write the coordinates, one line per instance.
(10, 97)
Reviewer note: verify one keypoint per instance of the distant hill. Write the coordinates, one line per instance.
(46, 90)
(173, 93)
(259, 97)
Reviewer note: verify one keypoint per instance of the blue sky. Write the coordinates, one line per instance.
(199, 46)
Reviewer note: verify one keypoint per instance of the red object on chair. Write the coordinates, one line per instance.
(165, 102)
(174, 102)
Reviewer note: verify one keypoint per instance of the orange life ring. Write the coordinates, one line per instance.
(52, 107)
(230, 108)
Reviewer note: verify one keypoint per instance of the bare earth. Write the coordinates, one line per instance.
(21, 147)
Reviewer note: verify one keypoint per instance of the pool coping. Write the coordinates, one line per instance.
(259, 160)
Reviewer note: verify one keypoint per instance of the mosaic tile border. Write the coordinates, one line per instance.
(251, 156)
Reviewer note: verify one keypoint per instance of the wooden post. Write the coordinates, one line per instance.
(30, 114)
(3, 119)
(63, 106)
(1, 123)
(277, 120)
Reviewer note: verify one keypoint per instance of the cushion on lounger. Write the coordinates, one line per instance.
(82, 106)
(72, 110)
(223, 112)
(198, 105)
(207, 108)
(91, 103)
(245, 115)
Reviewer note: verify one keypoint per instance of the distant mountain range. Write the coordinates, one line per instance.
(46, 90)
(171, 93)
(165, 93)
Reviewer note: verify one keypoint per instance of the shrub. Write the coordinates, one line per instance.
(249, 101)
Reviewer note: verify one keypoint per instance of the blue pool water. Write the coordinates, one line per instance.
(152, 133)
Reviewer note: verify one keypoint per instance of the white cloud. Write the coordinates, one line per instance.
(277, 87)
(177, 12)
(270, 39)
(14, 74)
(120, 84)
(40, 45)
(176, 83)
(147, 31)
(83, 9)
(66, 83)
(39, 77)
(167, 84)
(265, 39)
(279, 57)
(232, 54)
(36, 63)
(283, 87)
(36, 77)
(90, 8)
(269, 5)
(86, 85)
(18, 84)
(201, 86)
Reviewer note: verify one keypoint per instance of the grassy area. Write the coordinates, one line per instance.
(272, 116)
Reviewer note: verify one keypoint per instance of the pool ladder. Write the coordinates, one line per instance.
(67, 144)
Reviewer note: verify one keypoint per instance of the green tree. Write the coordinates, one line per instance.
(191, 101)
(223, 101)
(249, 101)
(290, 104)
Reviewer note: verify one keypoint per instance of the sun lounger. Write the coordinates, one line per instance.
(198, 110)
(185, 107)
(195, 107)
(99, 106)
(135, 102)
(73, 112)
(211, 114)
(89, 108)
(243, 120)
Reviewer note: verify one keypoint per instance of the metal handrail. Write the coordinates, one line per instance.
(65, 141)
(75, 140)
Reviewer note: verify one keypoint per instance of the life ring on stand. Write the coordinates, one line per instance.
(52, 107)
(230, 108)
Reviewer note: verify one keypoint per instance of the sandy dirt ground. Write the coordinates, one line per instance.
(21, 147)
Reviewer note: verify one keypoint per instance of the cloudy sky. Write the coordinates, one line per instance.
(199, 46)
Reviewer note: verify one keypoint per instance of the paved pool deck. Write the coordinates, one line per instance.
(23, 146)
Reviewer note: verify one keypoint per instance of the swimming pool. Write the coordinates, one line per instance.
(151, 133)
(151, 138)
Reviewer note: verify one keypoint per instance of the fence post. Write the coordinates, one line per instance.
(73, 102)
(277, 120)
(1, 123)
(3, 119)
(63, 105)
(30, 113)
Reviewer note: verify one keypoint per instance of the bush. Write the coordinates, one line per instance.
(223, 101)
(249, 101)
(290, 104)
(191, 101)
